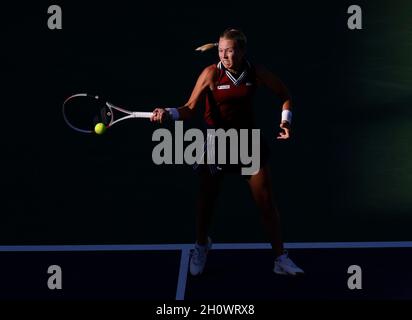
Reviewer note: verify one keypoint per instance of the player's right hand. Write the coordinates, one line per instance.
(159, 115)
(285, 133)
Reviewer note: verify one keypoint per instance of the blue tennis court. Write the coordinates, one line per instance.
(235, 272)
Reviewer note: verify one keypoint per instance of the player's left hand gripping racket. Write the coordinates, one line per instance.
(83, 111)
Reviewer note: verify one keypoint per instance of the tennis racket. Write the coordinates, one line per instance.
(83, 111)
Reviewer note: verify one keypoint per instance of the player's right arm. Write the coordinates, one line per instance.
(204, 82)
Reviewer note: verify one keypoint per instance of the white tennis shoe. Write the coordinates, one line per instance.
(284, 265)
(198, 257)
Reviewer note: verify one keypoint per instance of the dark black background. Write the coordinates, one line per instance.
(345, 175)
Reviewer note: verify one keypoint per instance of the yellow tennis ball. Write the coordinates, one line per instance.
(100, 128)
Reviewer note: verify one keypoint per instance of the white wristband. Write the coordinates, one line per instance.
(287, 115)
(174, 114)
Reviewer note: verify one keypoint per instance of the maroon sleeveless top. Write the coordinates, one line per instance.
(229, 104)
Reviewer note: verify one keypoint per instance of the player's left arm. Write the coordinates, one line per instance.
(271, 81)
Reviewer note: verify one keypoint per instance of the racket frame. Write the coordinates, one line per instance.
(111, 106)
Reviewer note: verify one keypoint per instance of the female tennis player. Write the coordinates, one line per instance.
(228, 87)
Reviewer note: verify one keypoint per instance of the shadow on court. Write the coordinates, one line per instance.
(243, 275)
(248, 275)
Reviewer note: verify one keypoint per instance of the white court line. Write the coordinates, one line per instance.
(216, 246)
(99, 247)
(314, 245)
(181, 281)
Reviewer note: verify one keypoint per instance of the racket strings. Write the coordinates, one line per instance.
(83, 112)
(103, 116)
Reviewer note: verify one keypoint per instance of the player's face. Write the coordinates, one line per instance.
(230, 55)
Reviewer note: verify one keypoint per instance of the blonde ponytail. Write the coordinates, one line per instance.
(207, 46)
(229, 33)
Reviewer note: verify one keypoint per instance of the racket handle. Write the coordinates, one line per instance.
(142, 114)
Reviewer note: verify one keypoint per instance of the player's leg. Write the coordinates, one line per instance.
(208, 193)
(260, 185)
(261, 188)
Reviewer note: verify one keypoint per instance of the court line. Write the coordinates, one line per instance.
(216, 246)
(100, 247)
(185, 251)
(181, 281)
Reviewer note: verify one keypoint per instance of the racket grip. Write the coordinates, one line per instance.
(142, 114)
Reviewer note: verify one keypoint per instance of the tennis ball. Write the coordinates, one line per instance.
(100, 128)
